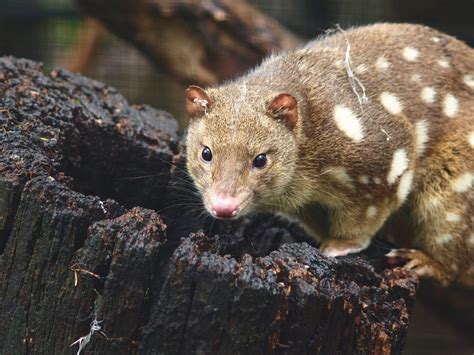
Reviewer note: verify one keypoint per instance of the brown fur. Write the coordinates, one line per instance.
(315, 166)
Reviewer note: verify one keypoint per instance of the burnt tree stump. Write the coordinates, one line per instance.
(103, 244)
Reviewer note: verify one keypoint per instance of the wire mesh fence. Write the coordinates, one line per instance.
(53, 31)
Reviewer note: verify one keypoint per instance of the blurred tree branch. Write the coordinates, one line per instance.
(81, 56)
(200, 42)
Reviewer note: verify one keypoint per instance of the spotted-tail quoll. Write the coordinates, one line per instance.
(344, 133)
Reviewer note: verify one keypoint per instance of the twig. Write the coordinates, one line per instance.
(354, 81)
(83, 341)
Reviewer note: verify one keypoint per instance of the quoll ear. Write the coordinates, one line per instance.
(197, 101)
(284, 107)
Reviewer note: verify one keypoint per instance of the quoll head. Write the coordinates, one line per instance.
(241, 148)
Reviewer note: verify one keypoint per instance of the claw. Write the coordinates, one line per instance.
(399, 257)
(420, 263)
(413, 264)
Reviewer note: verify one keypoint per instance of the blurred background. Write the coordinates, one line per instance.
(99, 38)
(56, 33)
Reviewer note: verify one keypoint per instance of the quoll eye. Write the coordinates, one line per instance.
(206, 154)
(260, 161)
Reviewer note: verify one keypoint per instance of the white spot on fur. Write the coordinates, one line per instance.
(391, 103)
(399, 165)
(368, 196)
(340, 174)
(452, 217)
(382, 63)
(377, 180)
(443, 238)
(416, 78)
(361, 69)
(428, 95)
(421, 131)
(405, 186)
(443, 63)
(371, 212)
(428, 206)
(471, 239)
(462, 183)
(432, 202)
(470, 139)
(348, 122)
(469, 80)
(435, 39)
(410, 54)
(450, 105)
(363, 179)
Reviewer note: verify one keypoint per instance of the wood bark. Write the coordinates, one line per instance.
(79, 262)
(199, 42)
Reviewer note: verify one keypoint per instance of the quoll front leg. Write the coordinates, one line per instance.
(420, 263)
(351, 229)
(339, 247)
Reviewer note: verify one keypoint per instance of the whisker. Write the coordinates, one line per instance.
(381, 244)
(176, 205)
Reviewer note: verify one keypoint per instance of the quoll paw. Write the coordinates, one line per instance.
(340, 247)
(420, 263)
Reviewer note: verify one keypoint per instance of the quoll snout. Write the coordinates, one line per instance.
(224, 206)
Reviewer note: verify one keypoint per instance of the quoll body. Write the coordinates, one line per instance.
(344, 133)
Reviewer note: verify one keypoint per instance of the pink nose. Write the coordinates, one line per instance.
(224, 206)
